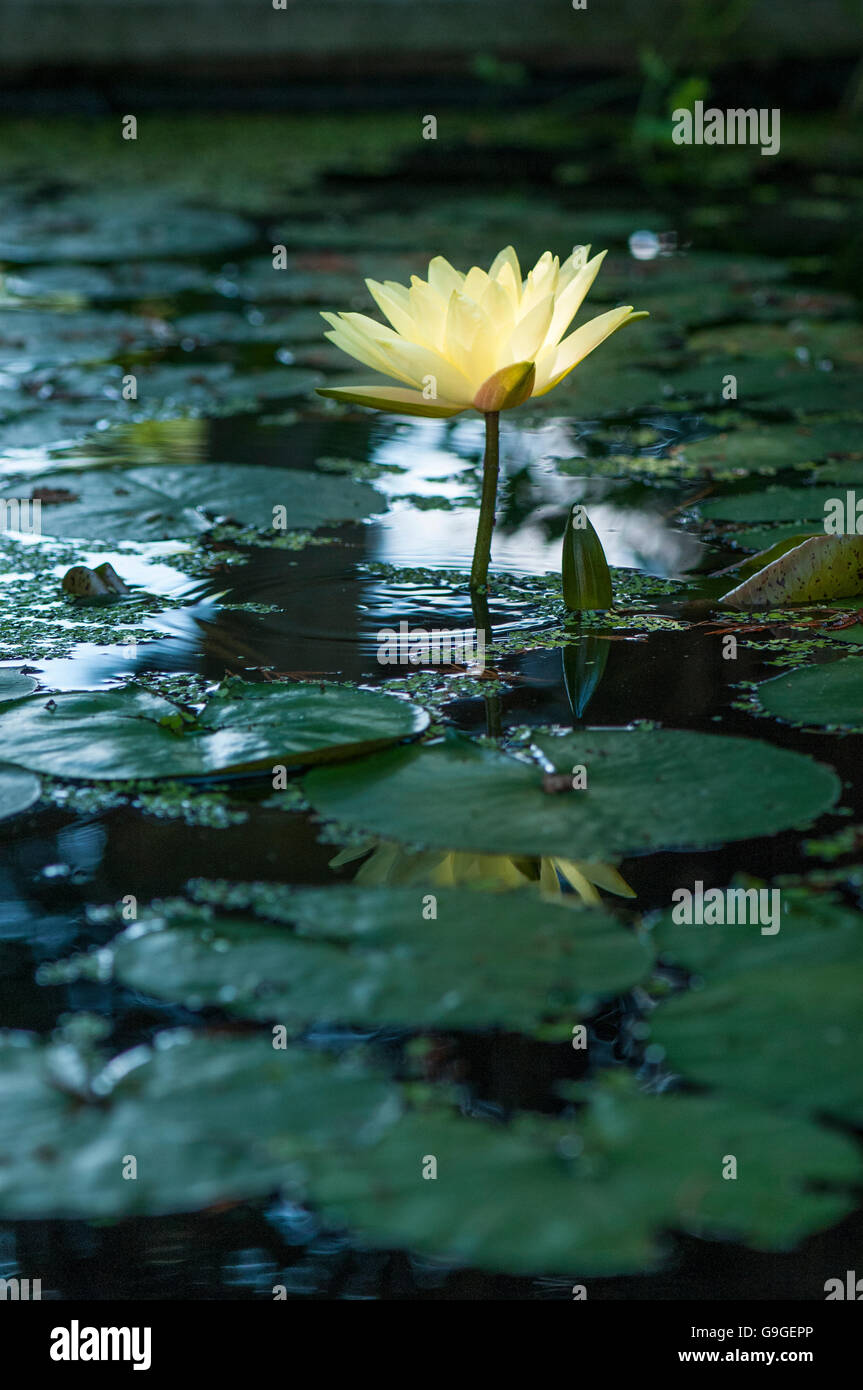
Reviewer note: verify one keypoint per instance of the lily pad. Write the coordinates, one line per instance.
(134, 280)
(827, 694)
(765, 537)
(19, 790)
(816, 570)
(130, 733)
(778, 1017)
(844, 472)
(207, 1120)
(44, 337)
(167, 389)
(371, 957)
(804, 389)
(593, 1195)
(817, 339)
(775, 447)
(646, 790)
(769, 504)
(15, 684)
(104, 227)
(255, 326)
(165, 502)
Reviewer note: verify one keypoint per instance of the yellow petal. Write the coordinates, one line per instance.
(541, 281)
(510, 283)
(396, 307)
(601, 875)
(579, 881)
(396, 399)
(475, 283)
(469, 339)
(360, 346)
(570, 301)
(506, 257)
(429, 311)
(583, 341)
(532, 331)
(498, 307)
(548, 879)
(572, 265)
(443, 277)
(415, 363)
(506, 389)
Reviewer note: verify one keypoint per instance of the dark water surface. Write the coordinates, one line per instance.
(315, 612)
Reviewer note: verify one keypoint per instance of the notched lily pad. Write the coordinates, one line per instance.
(104, 227)
(769, 504)
(374, 957)
(207, 1120)
(130, 733)
(592, 1195)
(778, 1016)
(646, 789)
(165, 503)
(827, 694)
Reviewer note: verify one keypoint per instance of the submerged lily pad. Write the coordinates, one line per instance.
(595, 1194)
(778, 1016)
(829, 693)
(19, 790)
(130, 733)
(371, 956)
(206, 1119)
(165, 502)
(646, 789)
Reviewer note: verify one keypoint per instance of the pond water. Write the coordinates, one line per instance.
(176, 287)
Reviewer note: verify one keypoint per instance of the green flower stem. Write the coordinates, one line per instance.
(485, 526)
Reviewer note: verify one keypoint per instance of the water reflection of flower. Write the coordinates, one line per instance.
(391, 864)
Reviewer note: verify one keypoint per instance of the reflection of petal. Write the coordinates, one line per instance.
(390, 864)
(602, 875)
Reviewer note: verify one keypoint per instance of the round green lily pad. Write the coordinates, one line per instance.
(763, 537)
(646, 789)
(47, 337)
(205, 1119)
(15, 684)
(772, 447)
(374, 956)
(830, 693)
(19, 790)
(164, 502)
(131, 733)
(778, 1015)
(106, 226)
(594, 1195)
(769, 504)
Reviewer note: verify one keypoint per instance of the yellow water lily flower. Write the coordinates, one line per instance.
(487, 340)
